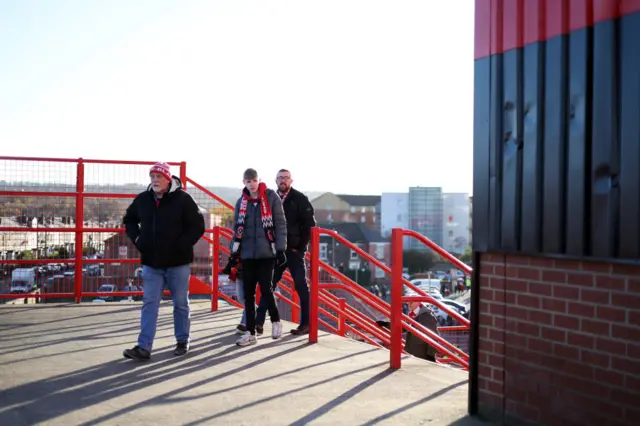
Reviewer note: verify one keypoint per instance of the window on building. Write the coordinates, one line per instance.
(354, 255)
(363, 210)
(324, 251)
(329, 218)
(363, 219)
(352, 209)
(380, 251)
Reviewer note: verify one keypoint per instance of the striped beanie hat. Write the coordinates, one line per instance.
(163, 169)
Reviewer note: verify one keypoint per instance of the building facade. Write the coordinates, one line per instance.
(426, 215)
(555, 312)
(342, 208)
(394, 212)
(456, 225)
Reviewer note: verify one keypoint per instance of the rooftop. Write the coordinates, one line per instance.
(360, 200)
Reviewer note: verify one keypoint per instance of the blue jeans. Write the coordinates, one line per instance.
(156, 280)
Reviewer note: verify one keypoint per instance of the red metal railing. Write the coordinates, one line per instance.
(348, 319)
(361, 323)
(391, 311)
(79, 194)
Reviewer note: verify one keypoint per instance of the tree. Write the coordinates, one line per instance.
(466, 256)
(418, 261)
(27, 255)
(223, 216)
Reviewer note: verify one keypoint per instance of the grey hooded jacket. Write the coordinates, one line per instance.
(255, 244)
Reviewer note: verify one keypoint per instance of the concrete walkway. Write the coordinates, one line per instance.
(63, 365)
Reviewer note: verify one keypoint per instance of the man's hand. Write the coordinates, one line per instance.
(232, 263)
(281, 258)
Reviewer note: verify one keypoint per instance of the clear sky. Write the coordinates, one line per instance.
(353, 96)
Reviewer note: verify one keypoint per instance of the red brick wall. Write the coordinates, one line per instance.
(559, 341)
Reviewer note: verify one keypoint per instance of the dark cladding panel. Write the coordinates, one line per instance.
(533, 131)
(630, 137)
(481, 113)
(495, 152)
(555, 117)
(579, 143)
(511, 161)
(604, 146)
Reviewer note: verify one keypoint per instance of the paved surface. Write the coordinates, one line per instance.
(63, 365)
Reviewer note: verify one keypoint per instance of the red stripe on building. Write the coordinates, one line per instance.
(502, 25)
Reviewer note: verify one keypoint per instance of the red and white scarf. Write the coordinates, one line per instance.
(265, 214)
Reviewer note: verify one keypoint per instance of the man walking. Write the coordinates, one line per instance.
(164, 223)
(300, 219)
(259, 242)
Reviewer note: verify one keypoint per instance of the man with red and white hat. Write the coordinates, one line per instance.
(164, 223)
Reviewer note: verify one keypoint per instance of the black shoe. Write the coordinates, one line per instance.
(137, 353)
(181, 349)
(259, 329)
(301, 330)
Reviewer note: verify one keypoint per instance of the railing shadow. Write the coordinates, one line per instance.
(36, 402)
(416, 403)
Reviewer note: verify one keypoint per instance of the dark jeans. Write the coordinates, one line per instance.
(256, 271)
(295, 264)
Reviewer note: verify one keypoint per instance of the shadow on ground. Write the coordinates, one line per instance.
(64, 366)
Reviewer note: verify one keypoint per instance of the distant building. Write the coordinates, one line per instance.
(426, 215)
(395, 212)
(348, 261)
(335, 208)
(456, 225)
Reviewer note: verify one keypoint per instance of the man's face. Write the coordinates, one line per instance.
(252, 185)
(284, 181)
(159, 183)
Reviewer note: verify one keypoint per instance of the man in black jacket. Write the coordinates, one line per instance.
(164, 223)
(300, 219)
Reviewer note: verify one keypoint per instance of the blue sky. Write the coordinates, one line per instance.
(353, 96)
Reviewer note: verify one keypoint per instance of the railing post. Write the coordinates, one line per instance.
(215, 269)
(259, 294)
(342, 325)
(79, 230)
(396, 298)
(183, 174)
(313, 290)
(295, 310)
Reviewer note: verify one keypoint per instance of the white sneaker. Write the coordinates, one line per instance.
(276, 330)
(246, 340)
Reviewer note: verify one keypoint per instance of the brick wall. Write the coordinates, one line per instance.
(559, 341)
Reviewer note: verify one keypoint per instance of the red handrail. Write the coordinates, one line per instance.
(406, 282)
(366, 324)
(319, 294)
(441, 252)
(88, 161)
(209, 193)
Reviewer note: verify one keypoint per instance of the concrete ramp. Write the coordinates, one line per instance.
(63, 365)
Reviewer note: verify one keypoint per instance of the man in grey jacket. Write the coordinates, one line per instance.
(259, 242)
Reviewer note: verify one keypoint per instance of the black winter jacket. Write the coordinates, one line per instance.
(300, 219)
(164, 234)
